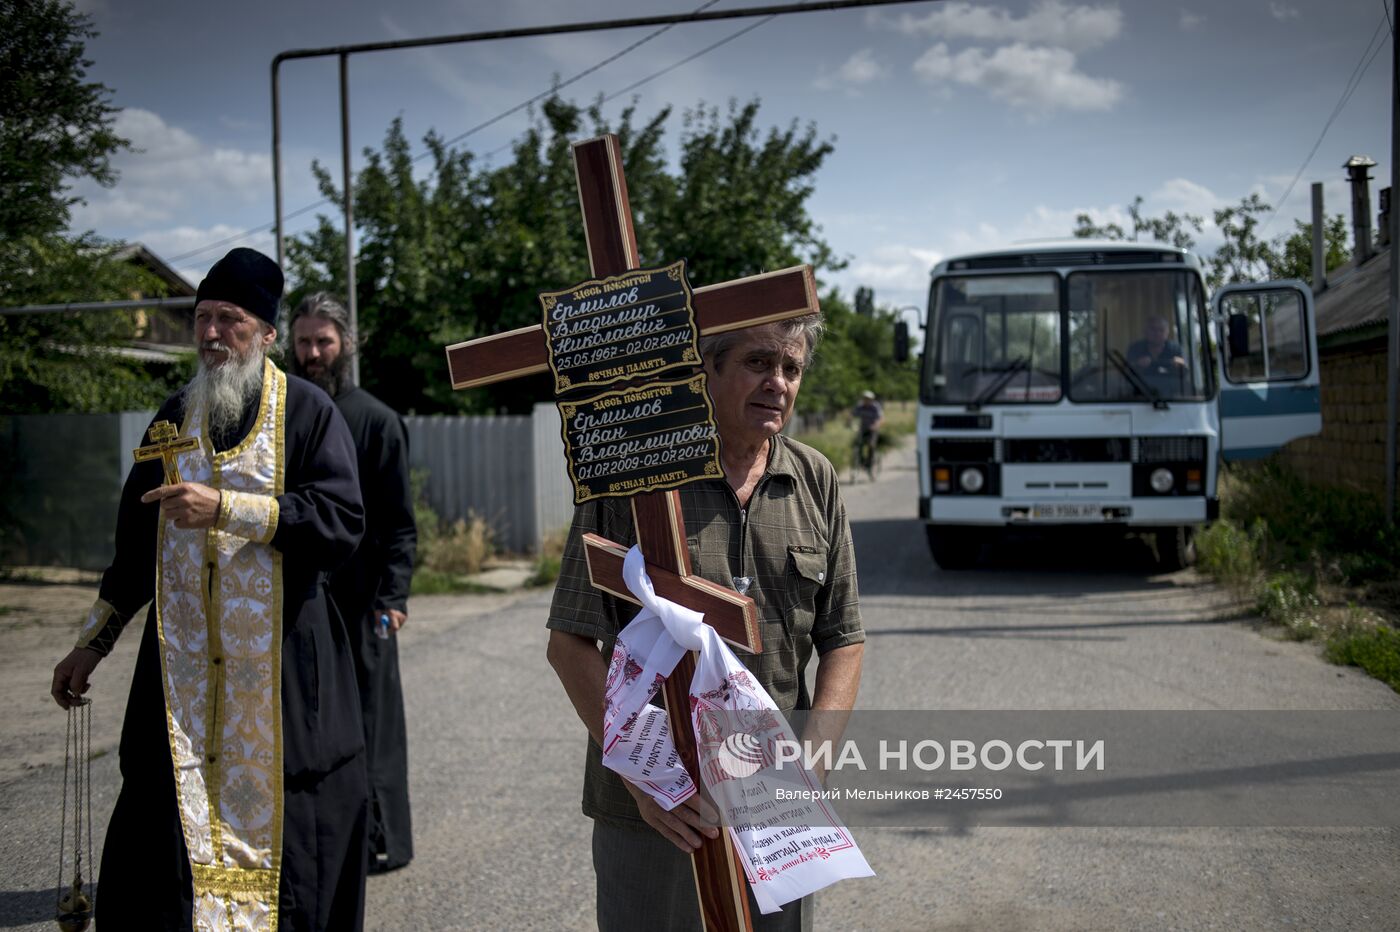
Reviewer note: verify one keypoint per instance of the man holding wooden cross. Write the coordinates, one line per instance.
(773, 528)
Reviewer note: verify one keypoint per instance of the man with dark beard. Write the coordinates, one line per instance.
(243, 798)
(371, 590)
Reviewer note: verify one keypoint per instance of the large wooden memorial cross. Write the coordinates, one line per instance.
(747, 302)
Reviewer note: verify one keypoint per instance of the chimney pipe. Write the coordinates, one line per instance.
(1383, 220)
(1356, 167)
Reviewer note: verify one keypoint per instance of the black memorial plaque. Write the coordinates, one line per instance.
(644, 438)
(616, 329)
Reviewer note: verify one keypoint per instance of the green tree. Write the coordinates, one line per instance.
(68, 362)
(463, 252)
(1171, 227)
(857, 353)
(1243, 257)
(1295, 253)
(740, 203)
(55, 127)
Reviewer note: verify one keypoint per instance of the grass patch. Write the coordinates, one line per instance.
(448, 551)
(1376, 651)
(21, 576)
(10, 609)
(551, 556)
(1321, 563)
(435, 582)
(1228, 552)
(460, 547)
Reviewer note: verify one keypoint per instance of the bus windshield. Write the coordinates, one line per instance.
(1136, 336)
(1133, 335)
(997, 339)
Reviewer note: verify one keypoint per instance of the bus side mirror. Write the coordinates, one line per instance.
(1237, 327)
(901, 341)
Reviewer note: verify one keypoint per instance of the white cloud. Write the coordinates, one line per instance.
(1049, 22)
(1190, 21)
(983, 236)
(1282, 11)
(1184, 196)
(171, 174)
(860, 69)
(894, 267)
(1030, 77)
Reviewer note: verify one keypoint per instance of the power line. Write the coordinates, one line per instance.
(513, 110)
(1363, 65)
(689, 58)
(582, 74)
(246, 233)
(667, 70)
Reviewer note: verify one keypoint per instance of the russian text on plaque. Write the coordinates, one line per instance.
(608, 330)
(660, 435)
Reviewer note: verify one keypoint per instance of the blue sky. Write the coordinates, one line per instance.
(957, 125)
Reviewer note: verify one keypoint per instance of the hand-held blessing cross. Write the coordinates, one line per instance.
(167, 444)
(612, 249)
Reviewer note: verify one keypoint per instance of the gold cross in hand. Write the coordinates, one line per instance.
(166, 445)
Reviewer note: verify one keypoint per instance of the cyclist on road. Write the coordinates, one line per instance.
(870, 415)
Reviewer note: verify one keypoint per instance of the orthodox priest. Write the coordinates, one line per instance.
(243, 798)
(371, 589)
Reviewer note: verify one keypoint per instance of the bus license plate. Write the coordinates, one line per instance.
(1067, 511)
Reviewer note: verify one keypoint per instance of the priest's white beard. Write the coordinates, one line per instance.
(225, 390)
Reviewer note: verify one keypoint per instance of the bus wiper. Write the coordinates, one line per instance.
(991, 391)
(1137, 381)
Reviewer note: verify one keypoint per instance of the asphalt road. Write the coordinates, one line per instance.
(497, 752)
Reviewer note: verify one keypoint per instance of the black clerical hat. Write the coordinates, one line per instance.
(247, 278)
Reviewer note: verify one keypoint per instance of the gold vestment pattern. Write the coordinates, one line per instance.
(219, 618)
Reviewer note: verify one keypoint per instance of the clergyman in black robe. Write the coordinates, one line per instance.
(244, 798)
(371, 590)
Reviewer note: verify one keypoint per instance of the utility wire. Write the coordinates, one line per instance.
(1363, 65)
(667, 70)
(513, 110)
(689, 58)
(582, 74)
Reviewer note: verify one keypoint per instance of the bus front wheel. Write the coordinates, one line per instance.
(1176, 548)
(955, 547)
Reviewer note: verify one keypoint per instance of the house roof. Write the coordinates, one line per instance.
(138, 254)
(1355, 297)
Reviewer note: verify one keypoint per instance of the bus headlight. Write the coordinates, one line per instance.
(971, 480)
(1161, 480)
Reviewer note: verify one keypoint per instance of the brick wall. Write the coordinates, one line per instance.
(1350, 451)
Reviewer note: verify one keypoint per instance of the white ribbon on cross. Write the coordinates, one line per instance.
(789, 847)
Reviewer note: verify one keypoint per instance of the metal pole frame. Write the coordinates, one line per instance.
(1392, 377)
(349, 192)
(345, 51)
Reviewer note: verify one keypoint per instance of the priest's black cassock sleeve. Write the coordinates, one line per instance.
(144, 881)
(376, 578)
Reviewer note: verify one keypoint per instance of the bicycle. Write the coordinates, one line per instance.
(866, 455)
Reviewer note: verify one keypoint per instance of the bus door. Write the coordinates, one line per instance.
(1268, 366)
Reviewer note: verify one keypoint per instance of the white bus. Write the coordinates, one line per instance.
(1091, 383)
